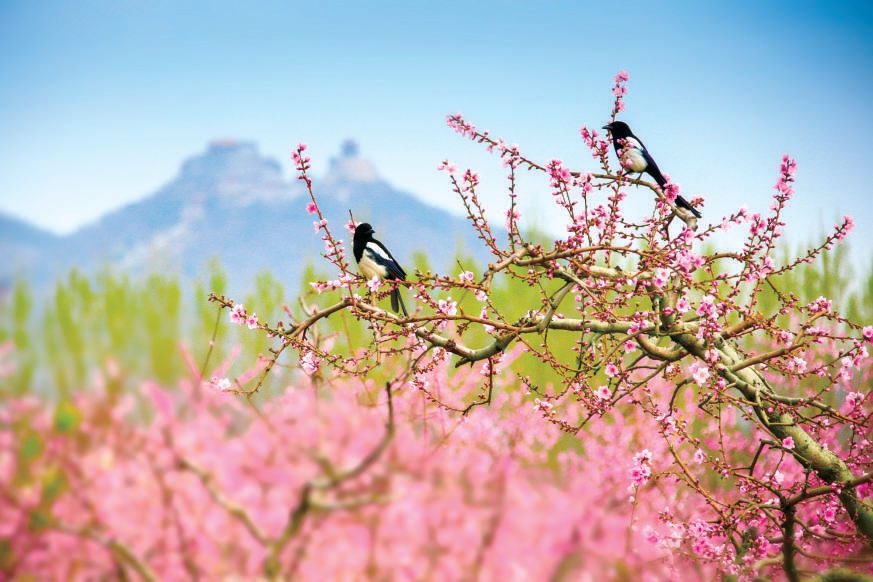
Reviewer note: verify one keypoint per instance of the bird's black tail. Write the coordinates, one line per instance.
(655, 173)
(682, 203)
(397, 302)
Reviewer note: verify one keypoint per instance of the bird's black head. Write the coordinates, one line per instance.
(364, 231)
(619, 129)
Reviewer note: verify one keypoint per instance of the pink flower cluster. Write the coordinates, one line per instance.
(619, 90)
(239, 316)
(461, 126)
(559, 174)
(641, 470)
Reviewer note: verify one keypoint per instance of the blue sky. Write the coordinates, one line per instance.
(102, 101)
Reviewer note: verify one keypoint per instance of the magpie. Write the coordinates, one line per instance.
(640, 159)
(374, 260)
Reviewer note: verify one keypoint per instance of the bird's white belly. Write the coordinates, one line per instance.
(370, 268)
(635, 158)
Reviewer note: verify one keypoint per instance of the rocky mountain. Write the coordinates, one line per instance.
(22, 246)
(233, 204)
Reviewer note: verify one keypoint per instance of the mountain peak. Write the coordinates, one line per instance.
(231, 202)
(234, 170)
(229, 158)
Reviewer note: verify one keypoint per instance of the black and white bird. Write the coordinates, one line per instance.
(375, 260)
(631, 147)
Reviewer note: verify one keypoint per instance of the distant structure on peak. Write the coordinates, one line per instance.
(348, 170)
(349, 149)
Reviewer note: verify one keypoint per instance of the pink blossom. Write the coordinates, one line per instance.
(788, 443)
(300, 161)
(847, 228)
(544, 406)
(466, 277)
(683, 305)
(238, 314)
(481, 295)
(867, 332)
(853, 399)
(829, 514)
(471, 180)
(318, 286)
(252, 321)
(560, 175)
(845, 372)
(446, 166)
(312, 208)
(758, 225)
(700, 372)
(447, 307)
(650, 535)
(820, 305)
(420, 381)
(221, 384)
(461, 126)
(660, 278)
(374, 284)
(789, 167)
(604, 393)
(483, 314)
(698, 528)
(512, 216)
(699, 456)
(688, 260)
(310, 362)
(797, 364)
(641, 470)
(619, 89)
(707, 307)
(611, 370)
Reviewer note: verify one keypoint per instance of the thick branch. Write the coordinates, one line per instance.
(807, 451)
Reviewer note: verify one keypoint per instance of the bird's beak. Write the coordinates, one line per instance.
(607, 126)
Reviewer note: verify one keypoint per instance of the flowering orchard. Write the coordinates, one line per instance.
(344, 481)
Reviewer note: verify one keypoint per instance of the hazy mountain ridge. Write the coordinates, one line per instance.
(233, 204)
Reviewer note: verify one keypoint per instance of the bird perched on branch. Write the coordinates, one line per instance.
(375, 260)
(631, 147)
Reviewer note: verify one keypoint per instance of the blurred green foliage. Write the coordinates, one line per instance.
(122, 330)
(118, 331)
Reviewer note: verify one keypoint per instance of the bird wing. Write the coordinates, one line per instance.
(380, 255)
(652, 169)
(634, 142)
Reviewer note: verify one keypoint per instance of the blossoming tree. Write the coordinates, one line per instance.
(763, 416)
